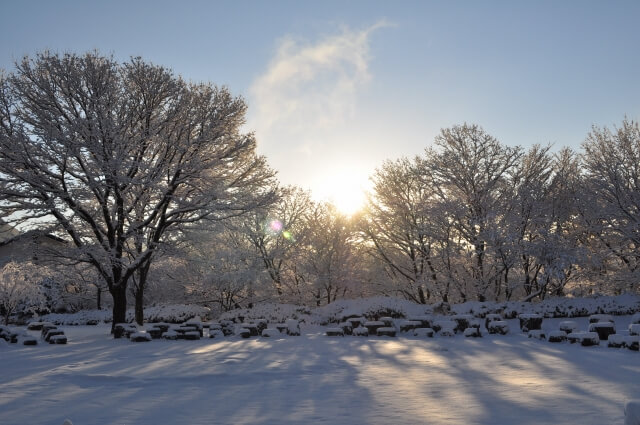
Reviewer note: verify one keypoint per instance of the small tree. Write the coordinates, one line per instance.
(18, 289)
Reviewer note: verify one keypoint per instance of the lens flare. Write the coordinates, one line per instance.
(276, 226)
(287, 235)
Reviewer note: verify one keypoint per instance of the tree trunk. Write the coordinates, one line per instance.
(143, 272)
(119, 294)
(99, 298)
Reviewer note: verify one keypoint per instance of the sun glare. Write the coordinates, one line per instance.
(345, 189)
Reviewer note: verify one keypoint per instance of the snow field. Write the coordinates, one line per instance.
(496, 379)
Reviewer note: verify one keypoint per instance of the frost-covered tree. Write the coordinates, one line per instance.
(398, 227)
(610, 203)
(19, 289)
(331, 258)
(278, 234)
(118, 158)
(471, 173)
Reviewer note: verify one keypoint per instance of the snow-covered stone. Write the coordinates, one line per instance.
(356, 321)
(29, 340)
(58, 339)
(634, 329)
(531, 321)
(35, 326)
(192, 335)
(632, 413)
(170, 335)
(216, 333)
(388, 321)
(293, 327)
(140, 337)
(568, 326)
(270, 333)
(409, 325)
(472, 332)
(334, 332)
(373, 326)
(346, 328)
(597, 318)
(386, 331)
(498, 327)
(584, 338)
(425, 321)
(635, 319)
(360, 331)
(244, 332)
(463, 321)
(492, 317)
(537, 334)
(616, 341)
(603, 329)
(557, 336)
(423, 332)
(445, 327)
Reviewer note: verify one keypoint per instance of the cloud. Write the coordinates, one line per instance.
(309, 90)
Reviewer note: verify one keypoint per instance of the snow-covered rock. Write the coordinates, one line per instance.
(140, 337)
(557, 336)
(373, 326)
(423, 332)
(386, 331)
(445, 327)
(616, 341)
(603, 329)
(270, 333)
(346, 328)
(530, 321)
(293, 327)
(598, 318)
(498, 327)
(472, 332)
(634, 329)
(635, 319)
(408, 325)
(58, 339)
(360, 331)
(568, 326)
(537, 334)
(216, 333)
(584, 338)
(334, 332)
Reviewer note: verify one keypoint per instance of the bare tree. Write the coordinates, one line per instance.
(121, 157)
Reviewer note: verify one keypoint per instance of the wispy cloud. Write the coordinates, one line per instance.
(310, 89)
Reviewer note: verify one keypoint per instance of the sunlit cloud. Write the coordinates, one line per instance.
(310, 88)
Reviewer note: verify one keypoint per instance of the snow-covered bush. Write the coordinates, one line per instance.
(293, 327)
(371, 308)
(19, 290)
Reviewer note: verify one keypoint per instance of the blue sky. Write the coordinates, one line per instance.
(335, 88)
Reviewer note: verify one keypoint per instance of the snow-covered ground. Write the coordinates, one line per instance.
(317, 379)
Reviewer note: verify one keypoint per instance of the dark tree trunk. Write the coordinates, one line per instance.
(99, 299)
(143, 272)
(119, 294)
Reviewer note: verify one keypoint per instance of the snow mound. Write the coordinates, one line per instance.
(173, 313)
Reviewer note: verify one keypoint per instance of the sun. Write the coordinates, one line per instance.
(345, 189)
